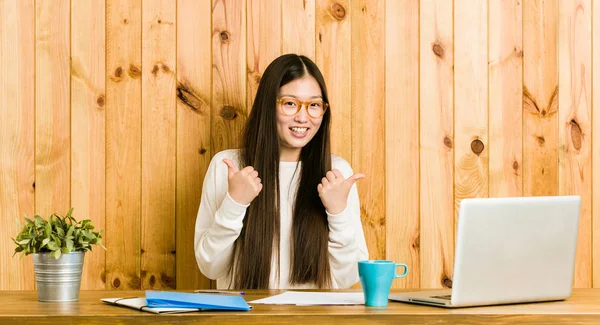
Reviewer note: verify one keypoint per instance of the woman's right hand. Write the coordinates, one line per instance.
(244, 185)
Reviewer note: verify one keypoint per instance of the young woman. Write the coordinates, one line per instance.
(282, 212)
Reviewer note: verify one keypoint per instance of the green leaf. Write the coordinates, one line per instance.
(70, 231)
(69, 244)
(56, 254)
(45, 242)
(48, 229)
(52, 246)
(60, 232)
(24, 241)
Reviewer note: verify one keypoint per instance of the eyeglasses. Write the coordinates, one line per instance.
(291, 106)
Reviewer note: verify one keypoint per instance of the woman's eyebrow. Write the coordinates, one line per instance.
(312, 97)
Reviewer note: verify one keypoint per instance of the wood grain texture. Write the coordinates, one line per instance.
(158, 144)
(581, 308)
(193, 132)
(17, 66)
(263, 41)
(298, 27)
(471, 158)
(88, 116)
(52, 108)
(402, 138)
(595, 150)
(123, 143)
(505, 98)
(540, 98)
(368, 114)
(436, 239)
(575, 122)
(333, 46)
(229, 74)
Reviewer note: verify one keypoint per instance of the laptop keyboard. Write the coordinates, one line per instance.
(446, 297)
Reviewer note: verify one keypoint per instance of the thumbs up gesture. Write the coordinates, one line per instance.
(244, 185)
(334, 190)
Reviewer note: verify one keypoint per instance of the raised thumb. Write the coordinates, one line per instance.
(230, 167)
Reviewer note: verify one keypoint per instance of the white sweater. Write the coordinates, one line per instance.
(220, 221)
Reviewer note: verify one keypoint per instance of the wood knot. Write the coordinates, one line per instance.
(448, 142)
(159, 21)
(152, 280)
(168, 281)
(541, 140)
(125, 21)
(416, 245)
(477, 146)
(224, 37)
(118, 75)
(100, 101)
(202, 151)
(134, 71)
(576, 134)
(155, 70)
(320, 38)
(518, 52)
(116, 283)
(33, 185)
(185, 95)
(165, 68)
(446, 282)
(438, 50)
(228, 113)
(515, 165)
(338, 11)
(142, 251)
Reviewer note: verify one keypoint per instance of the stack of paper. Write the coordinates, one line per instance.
(313, 298)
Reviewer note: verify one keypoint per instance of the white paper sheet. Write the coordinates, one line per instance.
(313, 298)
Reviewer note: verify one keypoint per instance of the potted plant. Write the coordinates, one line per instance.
(58, 246)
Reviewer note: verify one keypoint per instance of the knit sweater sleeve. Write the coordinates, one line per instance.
(347, 243)
(219, 221)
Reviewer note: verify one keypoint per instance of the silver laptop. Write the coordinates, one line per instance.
(510, 250)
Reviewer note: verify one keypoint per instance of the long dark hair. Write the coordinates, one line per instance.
(259, 239)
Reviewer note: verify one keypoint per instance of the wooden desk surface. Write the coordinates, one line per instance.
(22, 307)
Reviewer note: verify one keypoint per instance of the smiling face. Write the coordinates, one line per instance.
(296, 131)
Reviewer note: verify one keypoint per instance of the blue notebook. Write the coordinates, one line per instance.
(170, 299)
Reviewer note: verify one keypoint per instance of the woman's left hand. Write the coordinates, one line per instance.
(334, 189)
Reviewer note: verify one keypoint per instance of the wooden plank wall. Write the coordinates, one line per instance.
(115, 108)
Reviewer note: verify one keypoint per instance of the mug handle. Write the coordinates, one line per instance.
(403, 274)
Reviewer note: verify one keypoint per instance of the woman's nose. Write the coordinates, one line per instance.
(302, 116)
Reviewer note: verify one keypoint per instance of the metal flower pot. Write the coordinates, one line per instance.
(58, 279)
